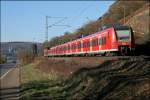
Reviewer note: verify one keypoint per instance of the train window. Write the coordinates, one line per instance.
(104, 40)
(95, 42)
(72, 46)
(68, 47)
(88, 44)
(65, 48)
(84, 44)
(79, 45)
(60, 49)
(76, 46)
(123, 34)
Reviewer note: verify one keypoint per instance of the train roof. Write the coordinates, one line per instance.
(115, 26)
(121, 27)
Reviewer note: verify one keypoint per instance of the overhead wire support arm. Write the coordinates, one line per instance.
(56, 17)
(54, 24)
(60, 21)
(60, 25)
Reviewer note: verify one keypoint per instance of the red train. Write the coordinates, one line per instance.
(114, 40)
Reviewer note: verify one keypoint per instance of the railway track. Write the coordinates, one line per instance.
(108, 57)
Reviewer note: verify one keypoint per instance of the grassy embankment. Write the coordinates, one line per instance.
(30, 73)
(34, 79)
(117, 80)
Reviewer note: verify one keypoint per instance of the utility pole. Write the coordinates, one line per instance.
(46, 31)
(47, 26)
(124, 14)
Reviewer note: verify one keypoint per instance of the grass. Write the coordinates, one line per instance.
(35, 82)
(31, 73)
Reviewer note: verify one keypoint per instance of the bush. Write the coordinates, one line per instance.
(25, 56)
(2, 60)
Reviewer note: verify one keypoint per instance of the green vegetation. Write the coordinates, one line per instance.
(2, 59)
(35, 81)
(30, 73)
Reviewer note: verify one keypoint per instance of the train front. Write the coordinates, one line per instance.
(125, 40)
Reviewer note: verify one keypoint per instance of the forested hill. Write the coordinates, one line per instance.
(134, 12)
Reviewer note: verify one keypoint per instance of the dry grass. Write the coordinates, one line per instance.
(31, 73)
(66, 66)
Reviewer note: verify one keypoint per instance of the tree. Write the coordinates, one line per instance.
(2, 59)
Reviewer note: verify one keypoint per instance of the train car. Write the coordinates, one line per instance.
(114, 40)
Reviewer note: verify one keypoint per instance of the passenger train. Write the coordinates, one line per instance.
(112, 40)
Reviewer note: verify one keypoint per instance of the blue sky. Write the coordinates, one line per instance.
(25, 20)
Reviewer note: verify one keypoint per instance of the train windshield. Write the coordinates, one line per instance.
(123, 34)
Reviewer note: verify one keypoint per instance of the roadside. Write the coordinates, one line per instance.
(4, 72)
(4, 68)
(10, 85)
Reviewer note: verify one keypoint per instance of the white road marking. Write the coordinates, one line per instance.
(5, 73)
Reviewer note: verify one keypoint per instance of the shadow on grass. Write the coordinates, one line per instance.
(9, 93)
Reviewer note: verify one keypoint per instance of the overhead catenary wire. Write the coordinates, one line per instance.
(63, 18)
(73, 19)
(54, 24)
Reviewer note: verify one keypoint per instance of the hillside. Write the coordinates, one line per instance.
(140, 26)
(134, 13)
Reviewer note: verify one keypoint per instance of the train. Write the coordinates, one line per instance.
(116, 40)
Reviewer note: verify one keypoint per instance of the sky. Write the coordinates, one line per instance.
(25, 20)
